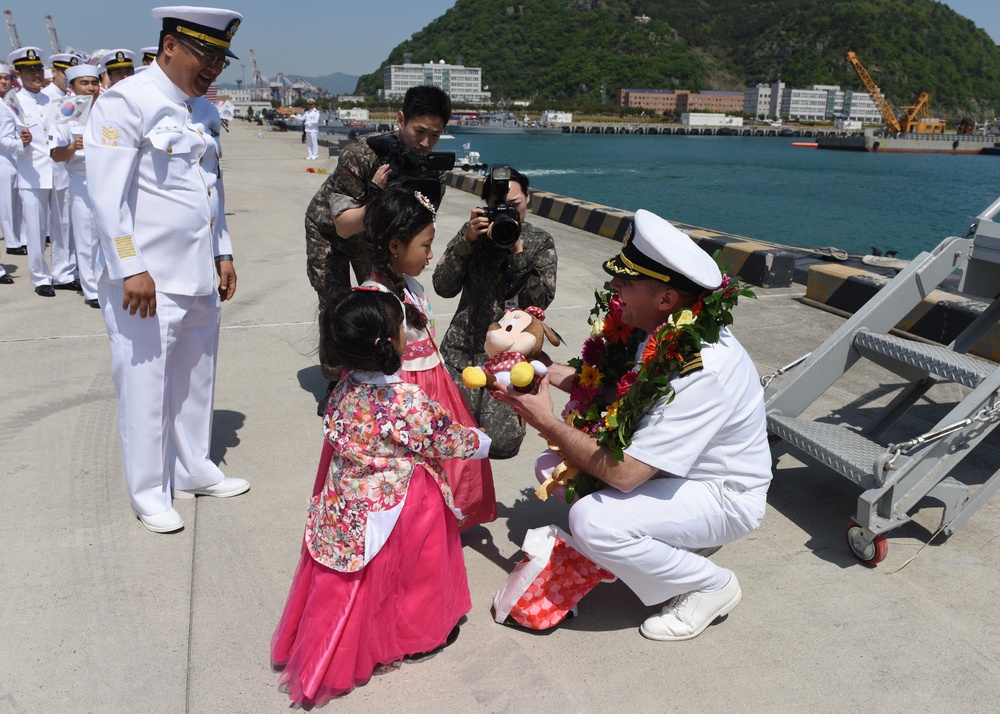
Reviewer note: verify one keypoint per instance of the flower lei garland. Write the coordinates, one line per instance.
(609, 396)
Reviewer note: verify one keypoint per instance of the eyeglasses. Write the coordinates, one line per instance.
(209, 59)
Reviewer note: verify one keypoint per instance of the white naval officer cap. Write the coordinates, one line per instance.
(25, 57)
(65, 60)
(82, 70)
(149, 53)
(655, 249)
(118, 59)
(211, 27)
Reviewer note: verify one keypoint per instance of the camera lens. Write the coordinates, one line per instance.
(505, 231)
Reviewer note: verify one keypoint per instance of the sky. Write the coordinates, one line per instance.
(313, 38)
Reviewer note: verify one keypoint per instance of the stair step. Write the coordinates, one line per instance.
(937, 360)
(845, 451)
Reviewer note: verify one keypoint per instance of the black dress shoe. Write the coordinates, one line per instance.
(45, 291)
(72, 285)
(92, 303)
(6, 279)
(22, 250)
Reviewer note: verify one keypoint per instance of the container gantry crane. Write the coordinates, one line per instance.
(50, 25)
(15, 41)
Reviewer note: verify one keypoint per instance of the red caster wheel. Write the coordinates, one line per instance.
(870, 551)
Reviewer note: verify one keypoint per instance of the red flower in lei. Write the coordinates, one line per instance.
(614, 329)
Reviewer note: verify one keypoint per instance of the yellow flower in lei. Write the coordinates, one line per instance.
(684, 317)
(597, 327)
(590, 377)
(611, 417)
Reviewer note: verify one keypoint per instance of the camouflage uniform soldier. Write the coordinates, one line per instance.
(335, 215)
(487, 275)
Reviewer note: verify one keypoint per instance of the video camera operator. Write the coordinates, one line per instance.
(497, 261)
(335, 216)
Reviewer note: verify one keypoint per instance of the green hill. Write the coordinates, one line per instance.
(565, 50)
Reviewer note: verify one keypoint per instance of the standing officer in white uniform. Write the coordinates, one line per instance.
(41, 190)
(60, 63)
(119, 64)
(149, 55)
(310, 122)
(10, 206)
(57, 90)
(696, 472)
(155, 183)
(67, 151)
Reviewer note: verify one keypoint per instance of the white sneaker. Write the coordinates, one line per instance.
(686, 616)
(224, 489)
(166, 522)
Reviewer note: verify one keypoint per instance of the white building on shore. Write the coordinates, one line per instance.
(463, 84)
(818, 102)
(705, 119)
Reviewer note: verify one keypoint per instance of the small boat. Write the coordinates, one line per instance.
(470, 161)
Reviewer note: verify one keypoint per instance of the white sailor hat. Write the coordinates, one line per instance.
(118, 59)
(655, 249)
(25, 57)
(141, 68)
(65, 60)
(149, 53)
(4, 68)
(82, 70)
(47, 73)
(211, 27)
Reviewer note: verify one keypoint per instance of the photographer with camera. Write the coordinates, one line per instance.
(497, 261)
(335, 216)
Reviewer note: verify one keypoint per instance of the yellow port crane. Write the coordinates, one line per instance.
(914, 120)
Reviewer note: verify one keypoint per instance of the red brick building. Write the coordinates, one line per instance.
(681, 100)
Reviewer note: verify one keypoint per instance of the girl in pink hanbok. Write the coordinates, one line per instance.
(399, 230)
(381, 576)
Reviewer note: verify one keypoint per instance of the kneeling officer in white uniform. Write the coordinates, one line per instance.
(695, 472)
(165, 259)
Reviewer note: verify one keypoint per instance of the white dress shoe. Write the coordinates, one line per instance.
(686, 616)
(224, 489)
(166, 522)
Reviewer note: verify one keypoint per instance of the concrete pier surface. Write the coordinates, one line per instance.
(97, 614)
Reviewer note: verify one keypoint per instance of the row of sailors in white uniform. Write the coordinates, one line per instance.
(43, 191)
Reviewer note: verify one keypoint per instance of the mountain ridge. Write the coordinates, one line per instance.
(566, 50)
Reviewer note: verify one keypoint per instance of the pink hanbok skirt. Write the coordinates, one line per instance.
(471, 481)
(337, 628)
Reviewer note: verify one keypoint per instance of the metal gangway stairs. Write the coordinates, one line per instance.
(896, 476)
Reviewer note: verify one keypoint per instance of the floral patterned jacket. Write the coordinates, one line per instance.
(381, 429)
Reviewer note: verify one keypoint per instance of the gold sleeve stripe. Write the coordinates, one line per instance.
(125, 247)
(691, 365)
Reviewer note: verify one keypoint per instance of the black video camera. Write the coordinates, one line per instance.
(505, 218)
(410, 168)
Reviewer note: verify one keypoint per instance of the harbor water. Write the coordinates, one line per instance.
(761, 187)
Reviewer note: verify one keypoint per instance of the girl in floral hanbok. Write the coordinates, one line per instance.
(381, 575)
(399, 230)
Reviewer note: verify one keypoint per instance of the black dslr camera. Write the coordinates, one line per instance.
(505, 218)
(410, 168)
